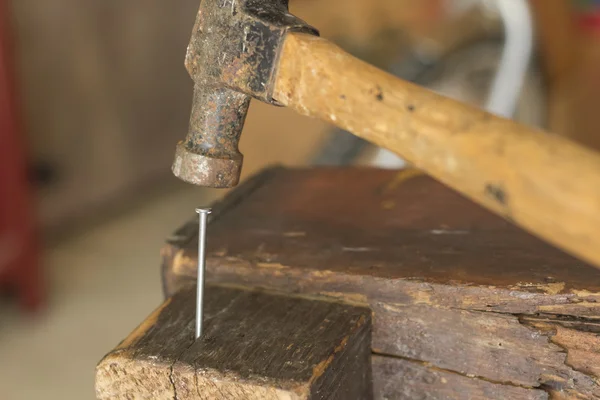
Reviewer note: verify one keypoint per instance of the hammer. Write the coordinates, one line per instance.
(243, 49)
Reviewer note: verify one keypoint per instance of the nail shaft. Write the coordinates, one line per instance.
(202, 220)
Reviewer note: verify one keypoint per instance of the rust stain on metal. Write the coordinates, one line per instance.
(232, 57)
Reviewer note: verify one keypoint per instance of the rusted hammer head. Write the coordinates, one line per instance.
(231, 57)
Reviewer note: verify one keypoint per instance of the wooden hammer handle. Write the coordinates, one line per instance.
(540, 181)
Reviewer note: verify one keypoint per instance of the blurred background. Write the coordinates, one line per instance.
(94, 96)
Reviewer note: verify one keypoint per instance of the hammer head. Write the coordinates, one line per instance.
(232, 57)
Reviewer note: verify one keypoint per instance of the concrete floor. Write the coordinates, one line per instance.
(102, 283)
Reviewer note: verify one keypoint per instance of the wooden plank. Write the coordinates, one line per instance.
(521, 173)
(401, 235)
(447, 281)
(493, 347)
(255, 346)
(396, 378)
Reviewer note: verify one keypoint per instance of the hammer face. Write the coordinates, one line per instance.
(206, 171)
(232, 56)
(209, 155)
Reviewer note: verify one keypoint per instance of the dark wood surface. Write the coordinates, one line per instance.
(255, 346)
(382, 224)
(492, 347)
(450, 284)
(396, 378)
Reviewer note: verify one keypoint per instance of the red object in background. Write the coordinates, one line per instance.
(587, 14)
(19, 250)
(589, 21)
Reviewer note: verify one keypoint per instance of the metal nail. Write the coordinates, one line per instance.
(202, 220)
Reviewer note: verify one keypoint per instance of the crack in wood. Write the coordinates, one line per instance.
(465, 307)
(173, 381)
(577, 323)
(580, 348)
(546, 365)
(172, 373)
(432, 367)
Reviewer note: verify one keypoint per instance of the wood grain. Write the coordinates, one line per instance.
(255, 346)
(581, 345)
(496, 348)
(402, 237)
(396, 378)
(450, 284)
(542, 182)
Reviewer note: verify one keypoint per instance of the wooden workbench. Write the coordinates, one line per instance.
(463, 303)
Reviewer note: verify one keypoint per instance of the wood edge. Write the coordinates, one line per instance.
(357, 344)
(142, 328)
(320, 369)
(229, 271)
(171, 280)
(582, 348)
(115, 362)
(188, 380)
(117, 377)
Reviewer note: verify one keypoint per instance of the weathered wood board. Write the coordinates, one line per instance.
(450, 284)
(255, 346)
(396, 378)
